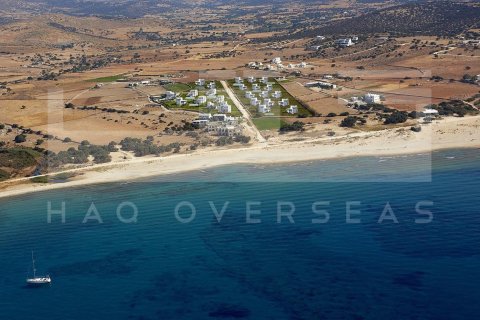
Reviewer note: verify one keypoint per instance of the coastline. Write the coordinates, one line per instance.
(450, 133)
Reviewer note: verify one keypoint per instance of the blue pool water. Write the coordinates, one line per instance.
(160, 268)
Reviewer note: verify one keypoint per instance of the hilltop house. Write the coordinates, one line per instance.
(372, 98)
(277, 60)
(344, 42)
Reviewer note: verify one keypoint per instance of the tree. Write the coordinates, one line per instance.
(67, 139)
(348, 122)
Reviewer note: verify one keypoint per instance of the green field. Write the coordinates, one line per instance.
(268, 123)
(107, 79)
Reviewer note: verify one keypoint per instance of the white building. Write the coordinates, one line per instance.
(242, 87)
(262, 108)
(277, 94)
(268, 102)
(224, 107)
(204, 116)
(170, 95)
(292, 110)
(200, 82)
(254, 101)
(212, 85)
(249, 95)
(212, 92)
(264, 94)
(202, 100)
(255, 87)
(238, 80)
(219, 117)
(372, 98)
(193, 93)
(320, 37)
(264, 80)
(284, 103)
(180, 101)
(302, 65)
(276, 60)
(269, 87)
(251, 79)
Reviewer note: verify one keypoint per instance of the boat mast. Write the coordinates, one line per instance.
(33, 265)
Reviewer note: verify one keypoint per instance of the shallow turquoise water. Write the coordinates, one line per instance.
(160, 268)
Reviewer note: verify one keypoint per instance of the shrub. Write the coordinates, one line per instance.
(348, 122)
(67, 139)
(20, 138)
(396, 117)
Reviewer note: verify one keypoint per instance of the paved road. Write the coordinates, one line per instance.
(244, 112)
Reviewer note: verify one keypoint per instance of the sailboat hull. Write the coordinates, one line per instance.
(39, 281)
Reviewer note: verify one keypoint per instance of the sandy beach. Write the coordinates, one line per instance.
(443, 134)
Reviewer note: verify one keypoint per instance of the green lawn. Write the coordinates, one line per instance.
(107, 79)
(268, 123)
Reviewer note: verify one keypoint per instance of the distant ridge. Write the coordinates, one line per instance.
(441, 18)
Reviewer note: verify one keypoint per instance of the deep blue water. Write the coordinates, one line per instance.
(159, 268)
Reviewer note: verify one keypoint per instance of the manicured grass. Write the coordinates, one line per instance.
(268, 123)
(107, 79)
(177, 87)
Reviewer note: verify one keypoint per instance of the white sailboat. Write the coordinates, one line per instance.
(36, 281)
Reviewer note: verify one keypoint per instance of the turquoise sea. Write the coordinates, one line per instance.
(161, 268)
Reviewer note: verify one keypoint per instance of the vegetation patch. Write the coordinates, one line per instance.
(107, 79)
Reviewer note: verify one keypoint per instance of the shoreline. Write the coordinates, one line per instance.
(450, 133)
